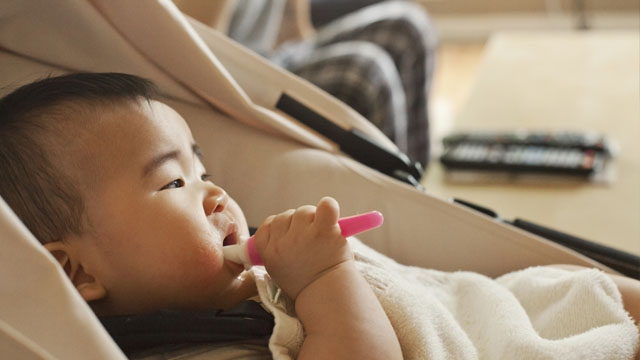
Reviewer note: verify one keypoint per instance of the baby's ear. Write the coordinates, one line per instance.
(59, 251)
(87, 285)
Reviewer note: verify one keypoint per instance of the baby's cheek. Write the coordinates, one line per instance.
(204, 265)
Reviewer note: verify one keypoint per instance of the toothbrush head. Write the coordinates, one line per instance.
(244, 252)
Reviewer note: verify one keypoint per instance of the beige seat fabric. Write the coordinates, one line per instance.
(41, 315)
(265, 160)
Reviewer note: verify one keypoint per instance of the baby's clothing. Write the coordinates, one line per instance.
(536, 313)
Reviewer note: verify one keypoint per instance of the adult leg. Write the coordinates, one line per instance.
(360, 74)
(405, 32)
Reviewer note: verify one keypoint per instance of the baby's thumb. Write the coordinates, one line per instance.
(327, 212)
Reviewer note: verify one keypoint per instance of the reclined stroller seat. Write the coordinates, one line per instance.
(263, 156)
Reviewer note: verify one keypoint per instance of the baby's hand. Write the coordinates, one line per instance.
(299, 246)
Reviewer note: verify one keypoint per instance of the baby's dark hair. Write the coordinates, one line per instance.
(31, 182)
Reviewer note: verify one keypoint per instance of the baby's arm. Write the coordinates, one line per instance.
(308, 258)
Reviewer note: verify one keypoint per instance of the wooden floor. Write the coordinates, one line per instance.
(456, 67)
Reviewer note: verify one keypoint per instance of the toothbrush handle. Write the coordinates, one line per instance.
(356, 224)
(349, 226)
(252, 252)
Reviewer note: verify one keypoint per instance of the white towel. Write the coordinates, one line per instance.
(536, 313)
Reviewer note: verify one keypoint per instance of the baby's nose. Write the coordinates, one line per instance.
(215, 201)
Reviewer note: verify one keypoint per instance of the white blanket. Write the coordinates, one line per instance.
(536, 313)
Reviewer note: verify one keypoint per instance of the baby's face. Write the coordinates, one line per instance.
(156, 224)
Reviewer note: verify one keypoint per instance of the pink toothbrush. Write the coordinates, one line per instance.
(246, 253)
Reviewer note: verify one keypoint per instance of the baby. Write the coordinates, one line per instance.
(110, 180)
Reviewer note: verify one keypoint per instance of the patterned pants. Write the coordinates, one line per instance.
(378, 60)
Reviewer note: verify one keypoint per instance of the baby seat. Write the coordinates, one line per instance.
(263, 156)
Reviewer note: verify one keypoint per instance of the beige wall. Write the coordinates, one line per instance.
(476, 20)
(501, 6)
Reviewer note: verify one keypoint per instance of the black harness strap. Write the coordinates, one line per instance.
(135, 333)
(355, 143)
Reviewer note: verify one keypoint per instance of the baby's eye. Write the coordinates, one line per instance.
(205, 177)
(177, 183)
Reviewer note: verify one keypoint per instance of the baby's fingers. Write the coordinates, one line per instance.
(281, 224)
(263, 235)
(268, 221)
(303, 217)
(327, 212)
(272, 230)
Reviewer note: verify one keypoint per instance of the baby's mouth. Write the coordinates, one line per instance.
(231, 237)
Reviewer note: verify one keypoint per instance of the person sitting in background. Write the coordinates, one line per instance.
(379, 60)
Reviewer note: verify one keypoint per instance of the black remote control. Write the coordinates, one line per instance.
(566, 153)
(560, 139)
